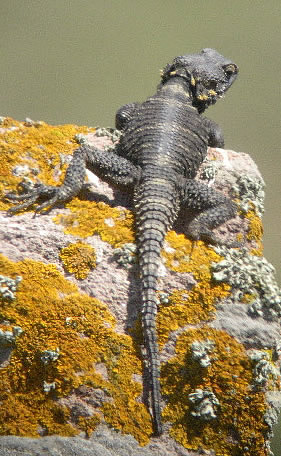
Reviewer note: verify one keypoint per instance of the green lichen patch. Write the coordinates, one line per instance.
(65, 334)
(78, 259)
(237, 426)
(34, 151)
(195, 305)
(87, 218)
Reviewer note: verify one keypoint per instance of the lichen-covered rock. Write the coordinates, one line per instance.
(103, 442)
(70, 338)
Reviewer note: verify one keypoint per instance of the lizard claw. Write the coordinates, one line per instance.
(39, 192)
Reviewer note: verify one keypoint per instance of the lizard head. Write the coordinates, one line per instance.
(208, 76)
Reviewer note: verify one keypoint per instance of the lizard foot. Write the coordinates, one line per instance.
(50, 194)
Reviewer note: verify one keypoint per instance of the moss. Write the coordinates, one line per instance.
(55, 316)
(87, 218)
(78, 259)
(197, 304)
(239, 427)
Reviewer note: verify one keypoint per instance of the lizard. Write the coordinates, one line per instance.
(163, 142)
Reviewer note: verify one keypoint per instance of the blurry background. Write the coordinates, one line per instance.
(78, 61)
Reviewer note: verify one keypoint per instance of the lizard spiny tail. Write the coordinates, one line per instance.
(155, 212)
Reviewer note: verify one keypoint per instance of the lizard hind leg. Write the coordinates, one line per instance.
(214, 209)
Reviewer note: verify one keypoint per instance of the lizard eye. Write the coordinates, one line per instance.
(230, 69)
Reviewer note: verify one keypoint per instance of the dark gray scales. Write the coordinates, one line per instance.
(164, 141)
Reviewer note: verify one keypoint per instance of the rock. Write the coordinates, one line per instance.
(74, 370)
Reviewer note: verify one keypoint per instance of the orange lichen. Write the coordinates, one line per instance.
(198, 304)
(78, 259)
(40, 147)
(87, 218)
(239, 427)
(55, 316)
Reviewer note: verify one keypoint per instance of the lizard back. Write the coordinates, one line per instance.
(167, 139)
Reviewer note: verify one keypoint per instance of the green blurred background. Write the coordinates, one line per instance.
(75, 61)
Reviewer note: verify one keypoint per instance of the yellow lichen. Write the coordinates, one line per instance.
(247, 298)
(197, 304)
(41, 147)
(87, 218)
(88, 425)
(55, 316)
(255, 231)
(239, 427)
(78, 259)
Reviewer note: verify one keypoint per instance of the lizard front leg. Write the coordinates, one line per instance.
(216, 138)
(124, 115)
(107, 165)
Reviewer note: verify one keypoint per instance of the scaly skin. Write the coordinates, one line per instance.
(164, 141)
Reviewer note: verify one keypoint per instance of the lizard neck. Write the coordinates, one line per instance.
(177, 87)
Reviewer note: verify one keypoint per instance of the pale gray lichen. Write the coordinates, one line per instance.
(9, 337)
(8, 287)
(69, 321)
(271, 416)
(252, 275)
(32, 123)
(200, 351)
(163, 297)
(205, 404)
(47, 387)
(109, 132)
(21, 170)
(264, 369)
(250, 190)
(277, 349)
(112, 133)
(209, 170)
(273, 399)
(126, 255)
(49, 356)
(82, 139)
